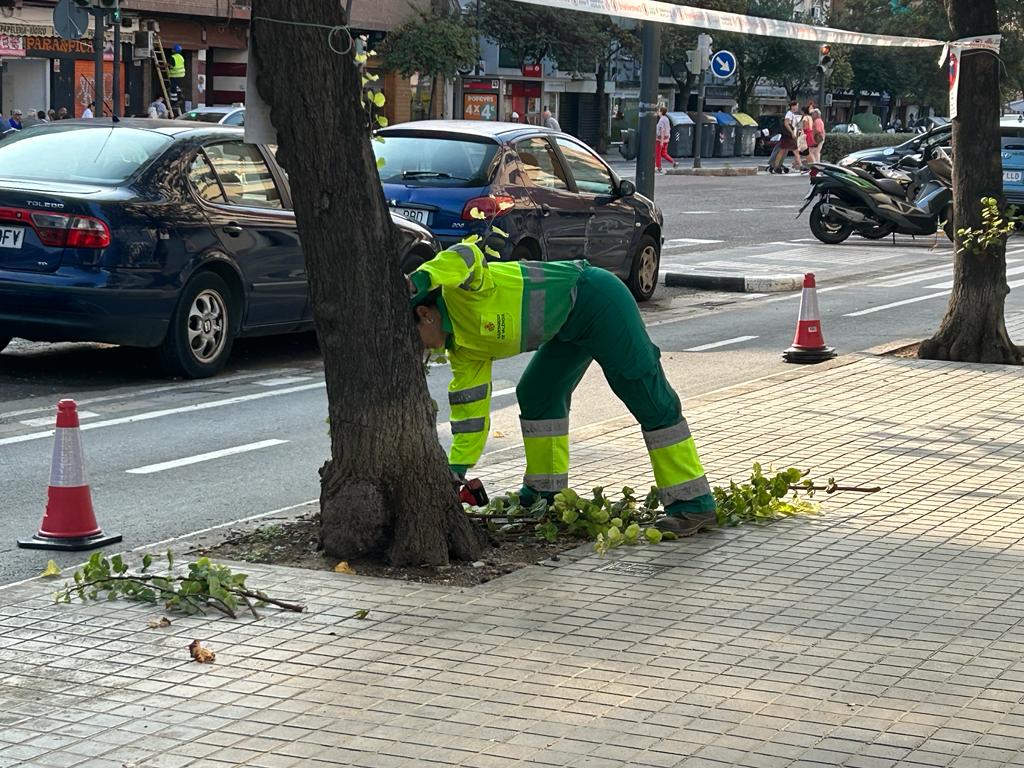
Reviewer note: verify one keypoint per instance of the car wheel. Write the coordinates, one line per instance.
(643, 275)
(201, 332)
(829, 232)
(523, 252)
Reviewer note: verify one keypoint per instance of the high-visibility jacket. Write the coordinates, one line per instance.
(491, 310)
(176, 68)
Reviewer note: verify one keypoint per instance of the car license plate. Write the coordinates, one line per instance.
(1012, 177)
(418, 215)
(12, 237)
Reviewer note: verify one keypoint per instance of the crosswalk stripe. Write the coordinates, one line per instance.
(949, 283)
(723, 343)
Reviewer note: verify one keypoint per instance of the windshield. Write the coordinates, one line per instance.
(435, 162)
(75, 153)
(203, 117)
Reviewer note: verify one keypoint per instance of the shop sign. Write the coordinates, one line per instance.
(44, 44)
(480, 85)
(480, 106)
(21, 30)
(532, 70)
(12, 45)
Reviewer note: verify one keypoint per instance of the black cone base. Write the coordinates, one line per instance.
(798, 355)
(42, 541)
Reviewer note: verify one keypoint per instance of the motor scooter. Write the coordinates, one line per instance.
(849, 200)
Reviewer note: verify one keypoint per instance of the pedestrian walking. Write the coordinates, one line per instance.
(87, 112)
(663, 134)
(807, 127)
(819, 135)
(550, 121)
(572, 314)
(792, 134)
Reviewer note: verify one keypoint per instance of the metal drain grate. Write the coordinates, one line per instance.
(627, 568)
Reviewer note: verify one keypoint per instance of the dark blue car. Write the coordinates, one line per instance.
(554, 196)
(161, 234)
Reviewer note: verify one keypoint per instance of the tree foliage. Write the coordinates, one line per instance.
(434, 44)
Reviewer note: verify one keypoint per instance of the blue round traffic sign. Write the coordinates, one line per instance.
(723, 64)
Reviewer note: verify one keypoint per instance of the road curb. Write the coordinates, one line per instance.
(736, 283)
(744, 171)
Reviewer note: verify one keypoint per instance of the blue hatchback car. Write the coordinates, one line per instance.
(1011, 133)
(554, 196)
(166, 234)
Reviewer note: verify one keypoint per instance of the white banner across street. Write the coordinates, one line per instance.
(685, 16)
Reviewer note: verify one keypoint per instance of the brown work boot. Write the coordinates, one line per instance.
(686, 525)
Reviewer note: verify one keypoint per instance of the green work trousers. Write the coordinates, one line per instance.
(605, 325)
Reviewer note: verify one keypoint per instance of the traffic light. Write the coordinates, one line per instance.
(825, 60)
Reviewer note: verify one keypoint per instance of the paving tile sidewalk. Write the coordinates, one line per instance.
(886, 632)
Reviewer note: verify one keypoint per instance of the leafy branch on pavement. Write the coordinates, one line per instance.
(205, 585)
(629, 521)
(996, 226)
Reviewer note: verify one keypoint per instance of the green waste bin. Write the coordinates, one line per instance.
(725, 138)
(708, 134)
(680, 143)
(746, 134)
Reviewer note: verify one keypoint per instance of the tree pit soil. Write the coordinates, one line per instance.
(909, 351)
(295, 543)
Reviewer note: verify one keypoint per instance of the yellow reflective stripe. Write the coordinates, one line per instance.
(547, 483)
(544, 427)
(469, 425)
(684, 491)
(471, 395)
(676, 464)
(662, 438)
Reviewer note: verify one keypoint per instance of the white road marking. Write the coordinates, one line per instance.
(282, 381)
(691, 241)
(914, 300)
(695, 213)
(949, 283)
(189, 460)
(168, 412)
(798, 293)
(49, 421)
(723, 343)
(909, 278)
(744, 210)
(220, 381)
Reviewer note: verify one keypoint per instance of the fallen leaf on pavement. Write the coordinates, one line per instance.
(160, 623)
(498, 433)
(344, 567)
(51, 569)
(200, 654)
(362, 613)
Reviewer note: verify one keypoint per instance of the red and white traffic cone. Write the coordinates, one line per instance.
(809, 342)
(69, 522)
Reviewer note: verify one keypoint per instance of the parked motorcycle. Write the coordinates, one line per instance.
(851, 200)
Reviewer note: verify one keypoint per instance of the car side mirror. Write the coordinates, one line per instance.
(626, 188)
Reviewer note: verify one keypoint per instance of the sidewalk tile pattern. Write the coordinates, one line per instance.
(886, 632)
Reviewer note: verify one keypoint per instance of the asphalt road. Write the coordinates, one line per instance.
(168, 458)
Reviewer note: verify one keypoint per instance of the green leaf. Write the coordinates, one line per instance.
(380, 163)
(147, 560)
(653, 535)
(51, 570)
(382, 121)
(378, 99)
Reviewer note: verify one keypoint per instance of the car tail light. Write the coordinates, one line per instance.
(491, 206)
(61, 230)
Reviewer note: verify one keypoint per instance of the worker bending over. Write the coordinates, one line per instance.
(571, 313)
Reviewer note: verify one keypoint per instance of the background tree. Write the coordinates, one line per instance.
(386, 487)
(527, 32)
(974, 328)
(435, 45)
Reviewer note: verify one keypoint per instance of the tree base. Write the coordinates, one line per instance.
(992, 348)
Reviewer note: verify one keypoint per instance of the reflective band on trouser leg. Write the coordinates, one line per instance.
(677, 469)
(547, 454)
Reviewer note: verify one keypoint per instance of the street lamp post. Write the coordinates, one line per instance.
(651, 68)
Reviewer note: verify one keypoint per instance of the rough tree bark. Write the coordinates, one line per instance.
(386, 488)
(974, 328)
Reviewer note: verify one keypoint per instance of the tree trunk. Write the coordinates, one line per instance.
(386, 489)
(602, 105)
(430, 100)
(974, 327)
